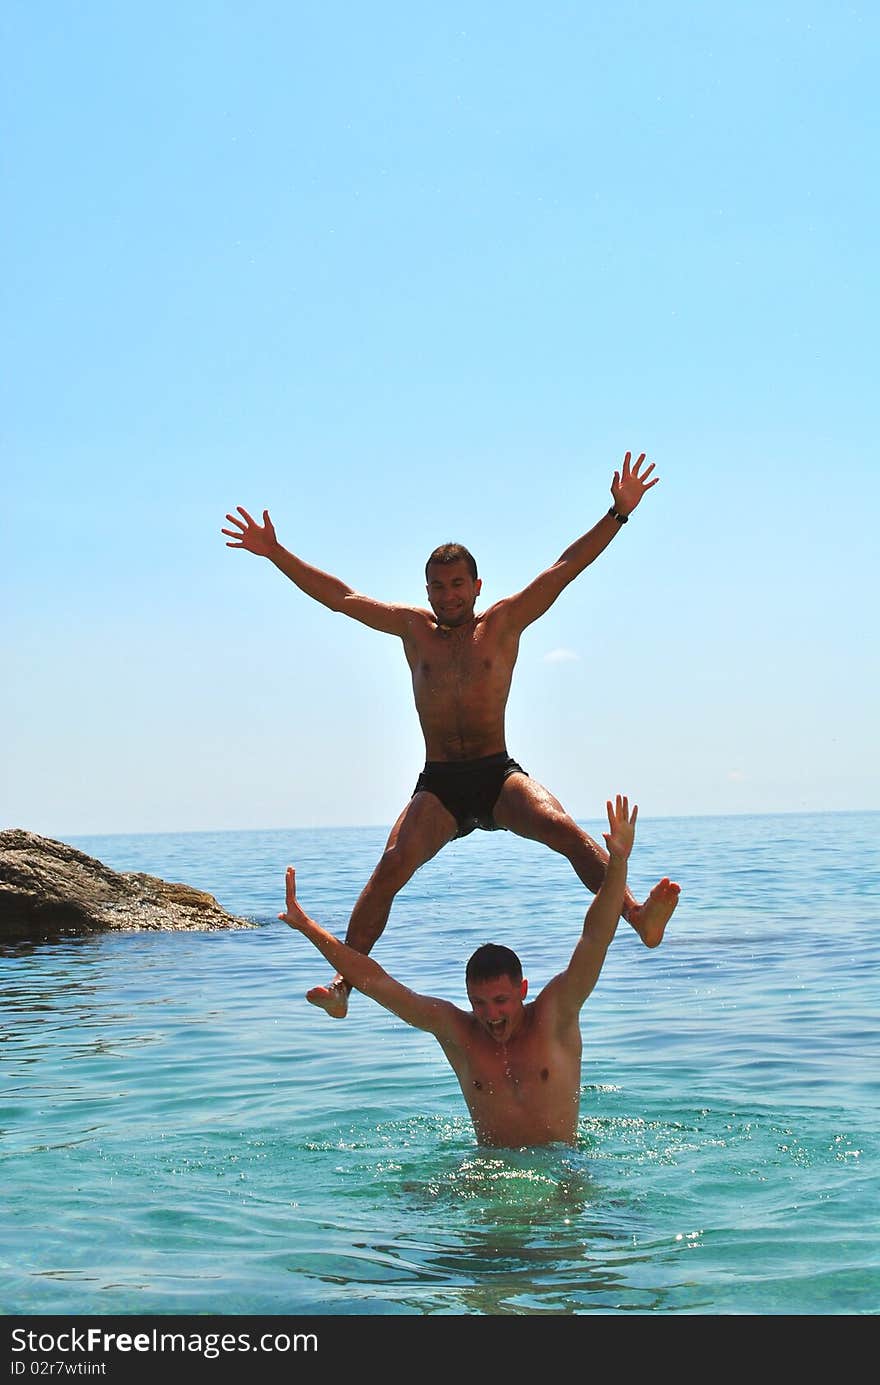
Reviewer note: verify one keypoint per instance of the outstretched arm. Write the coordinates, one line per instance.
(568, 991)
(330, 591)
(436, 1016)
(627, 488)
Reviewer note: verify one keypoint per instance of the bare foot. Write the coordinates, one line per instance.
(332, 998)
(650, 919)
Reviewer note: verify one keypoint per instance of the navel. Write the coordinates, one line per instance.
(545, 1073)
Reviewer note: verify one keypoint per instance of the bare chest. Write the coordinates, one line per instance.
(443, 658)
(520, 1073)
(509, 1082)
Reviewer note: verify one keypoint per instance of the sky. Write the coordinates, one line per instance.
(405, 274)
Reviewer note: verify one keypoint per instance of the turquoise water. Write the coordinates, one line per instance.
(183, 1134)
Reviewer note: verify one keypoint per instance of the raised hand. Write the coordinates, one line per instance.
(630, 484)
(622, 823)
(256, 538)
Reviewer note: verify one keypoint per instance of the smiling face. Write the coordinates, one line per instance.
(498, 1005)
(452, 592)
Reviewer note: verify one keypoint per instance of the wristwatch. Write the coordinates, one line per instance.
(615, 514)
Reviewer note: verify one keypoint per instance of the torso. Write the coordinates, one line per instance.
(525, 1092)
(461, 681)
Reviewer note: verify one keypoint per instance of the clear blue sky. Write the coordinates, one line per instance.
(403, 274)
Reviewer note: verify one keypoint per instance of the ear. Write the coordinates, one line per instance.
(524, 989)
(478, 586)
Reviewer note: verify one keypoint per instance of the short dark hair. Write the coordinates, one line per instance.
(453, 553)
(491, 960)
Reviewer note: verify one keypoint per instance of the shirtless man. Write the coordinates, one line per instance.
(462, 664)
(518, 1065)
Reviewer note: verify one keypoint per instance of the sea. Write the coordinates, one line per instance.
(181, 1133)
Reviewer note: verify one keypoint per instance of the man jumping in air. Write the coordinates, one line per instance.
(461, 664)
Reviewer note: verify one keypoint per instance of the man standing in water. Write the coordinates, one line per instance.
(462, 664)
(518, 1065)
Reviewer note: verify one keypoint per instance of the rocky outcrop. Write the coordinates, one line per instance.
(48, 888)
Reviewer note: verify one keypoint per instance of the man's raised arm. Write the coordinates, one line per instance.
(320, 586)
(438, 1017)
(627, 488)
(568, 991)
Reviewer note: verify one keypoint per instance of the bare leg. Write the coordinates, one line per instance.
(528, 809)
(422, 829)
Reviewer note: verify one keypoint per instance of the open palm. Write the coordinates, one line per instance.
(622, 824)
(256, 538)
(630, 483)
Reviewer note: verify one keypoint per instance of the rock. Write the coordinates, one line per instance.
(48, 887)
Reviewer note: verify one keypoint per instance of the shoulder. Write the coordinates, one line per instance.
(417, 624)
(499, 618)
(510, 614)
(497, 610)
(451, 1026)
(555, 1008)
(411, 622)
(418, 618)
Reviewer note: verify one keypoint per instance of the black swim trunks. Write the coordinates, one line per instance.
(469, 789)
